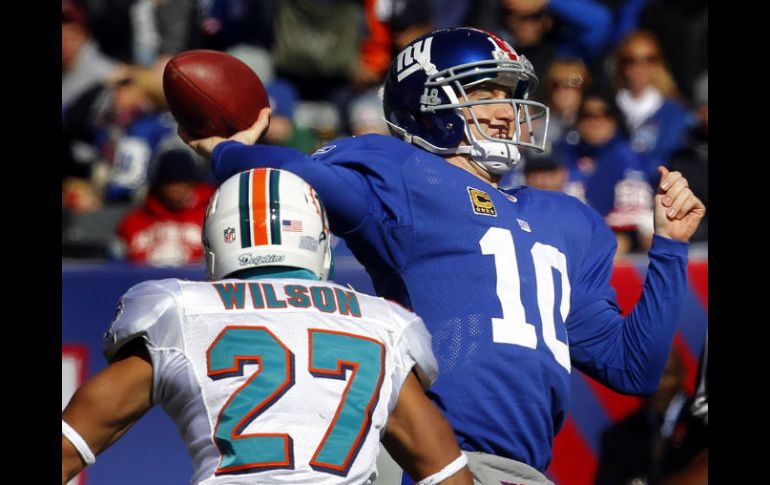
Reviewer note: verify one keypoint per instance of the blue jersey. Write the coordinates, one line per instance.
(513, 285)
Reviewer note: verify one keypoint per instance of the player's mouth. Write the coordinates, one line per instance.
(501, 134)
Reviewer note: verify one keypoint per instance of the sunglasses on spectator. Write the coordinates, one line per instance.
(594, 115)
(528, 17)
(572, 82)
(651, 59)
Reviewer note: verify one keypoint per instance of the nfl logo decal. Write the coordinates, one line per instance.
(481, 202)
(229, 235)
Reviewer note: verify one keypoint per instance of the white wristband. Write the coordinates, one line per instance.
(78, 442)
(445, 472)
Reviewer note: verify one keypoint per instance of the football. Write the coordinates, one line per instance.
(212, 93)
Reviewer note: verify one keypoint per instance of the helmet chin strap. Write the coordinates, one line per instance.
(493, 157)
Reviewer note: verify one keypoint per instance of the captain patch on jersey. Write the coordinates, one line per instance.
(481, 202)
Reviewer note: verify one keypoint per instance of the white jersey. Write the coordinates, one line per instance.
(275, 380)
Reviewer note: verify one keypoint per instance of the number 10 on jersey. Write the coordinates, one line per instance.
(513, 328)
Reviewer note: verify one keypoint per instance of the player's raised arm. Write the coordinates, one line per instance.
(105, 407)
(632, 352)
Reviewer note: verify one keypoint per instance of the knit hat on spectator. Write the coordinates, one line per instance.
(406, 13)
(282, 96)
(366, 111)
(72, 12)
(541, 162)
(175, 165)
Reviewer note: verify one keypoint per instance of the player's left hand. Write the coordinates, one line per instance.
(677, 211)
(249, 136)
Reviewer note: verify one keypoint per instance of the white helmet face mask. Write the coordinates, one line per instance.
(266, 217)
(444, 66)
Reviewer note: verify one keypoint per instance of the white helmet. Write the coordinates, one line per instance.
(266, 217)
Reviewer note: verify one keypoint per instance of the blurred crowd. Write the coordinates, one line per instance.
(626, 81)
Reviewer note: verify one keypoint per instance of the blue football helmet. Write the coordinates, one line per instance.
(426, 88)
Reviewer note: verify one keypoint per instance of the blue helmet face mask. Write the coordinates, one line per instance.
(427, 87)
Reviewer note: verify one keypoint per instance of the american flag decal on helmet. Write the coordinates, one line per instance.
(291, 225)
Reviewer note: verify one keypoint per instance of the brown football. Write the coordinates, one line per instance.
(212, 93)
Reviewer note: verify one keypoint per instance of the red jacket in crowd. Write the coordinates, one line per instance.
(155, 235)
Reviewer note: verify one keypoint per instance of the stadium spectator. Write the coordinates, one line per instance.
(365, 115)
(693, 159)
(82, 62)
(458, 100)
(257, 58)
(648, 98)
(113, 130)
(545, 172)
(543, 30)
(79, 196)
(283, 131)
(408, 20)
(564, 84)
(375, 53)
(681, 26)
(446, 15)
(253, 388)
(317, 47)
(165, 229)
(225, 24)
(607, 174)
(134, 127)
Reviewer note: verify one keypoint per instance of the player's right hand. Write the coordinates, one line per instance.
(205, 146)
